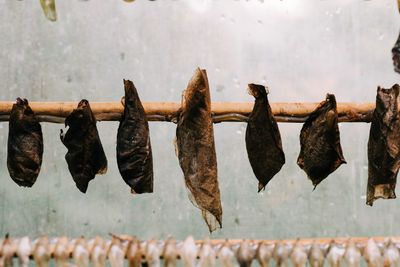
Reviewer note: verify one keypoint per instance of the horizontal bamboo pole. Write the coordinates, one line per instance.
(168, 111)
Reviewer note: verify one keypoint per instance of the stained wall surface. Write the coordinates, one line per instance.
(301, 49)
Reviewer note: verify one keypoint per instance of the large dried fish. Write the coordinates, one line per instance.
(25, 144)
(298, 255)
(134, 157)
(263, 140)
(85, 156)
(321, 153)
(207, 254)
(134, 253)
(352, 255)
(188, 252)
(42, 252)
(196, 149)
(264, 254)
(24, 251)
(384, 146)
(226, 255)
(170, 253)
(316, 256)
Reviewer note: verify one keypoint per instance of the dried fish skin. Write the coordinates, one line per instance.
(85, 156)
(49, 9)
(321, 152)
(263, 140)
(196, 149)
(384, 146)
(134, 156)
(25, 144)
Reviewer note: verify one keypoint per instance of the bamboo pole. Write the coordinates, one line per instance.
(168, 111)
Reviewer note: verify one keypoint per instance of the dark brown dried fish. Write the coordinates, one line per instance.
(196, 149)
(263, 140)
(134, 157)
(25, 144)
(85, 156)
(321, 153)
(384, 146)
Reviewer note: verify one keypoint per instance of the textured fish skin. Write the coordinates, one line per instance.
(196, 149)
(85, 156)
(321, 153)
(25, 144)
(134, 156)
(384, 146)
(263, 140)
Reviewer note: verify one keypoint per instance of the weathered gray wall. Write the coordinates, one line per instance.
(301, 49)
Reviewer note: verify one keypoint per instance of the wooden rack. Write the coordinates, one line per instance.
(56, 112)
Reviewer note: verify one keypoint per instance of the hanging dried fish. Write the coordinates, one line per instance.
(189, 252)
(391, 255)
(280, 254)
(263, 254)
(298, 255)
(115, 253)
(263, 140)
(207, 254)
(85, 156)
(42, 252)
(196, 149)
(134, 253)
(335, 255)
(25, 144)
(226, 255)
(8, 250)
(372, 254)
(24, 251)
(49, 9)
(152, 254)
(62, 251)
(244, 254)
(134, 157)
(383, 146)
(352, 255)
(98, 253)
(321, 153)
(316, 256)
(170, 253)
(396, 55)
(80, 253)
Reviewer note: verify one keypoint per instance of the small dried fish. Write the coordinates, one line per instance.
(25, 144)
(352, 255)
(335, 255)
(321, 153)
(134, 156)
(263, 140)
(263, 254)
(42, 252)
(8, 250)
(207, 254)
(62, 251)
(85, 156)
(391, 255)
(81, 253)
(134, 253)
(280, 254)
(152, 254)
(189, 252)
(316, 256)
(98, 252)
(115, 253)
(372, 254)
(170, 253)
(384, 146)
(196, 149)
(244, 254)
(24, 251)
(49, 9)
(298, 255)
(226, 255)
